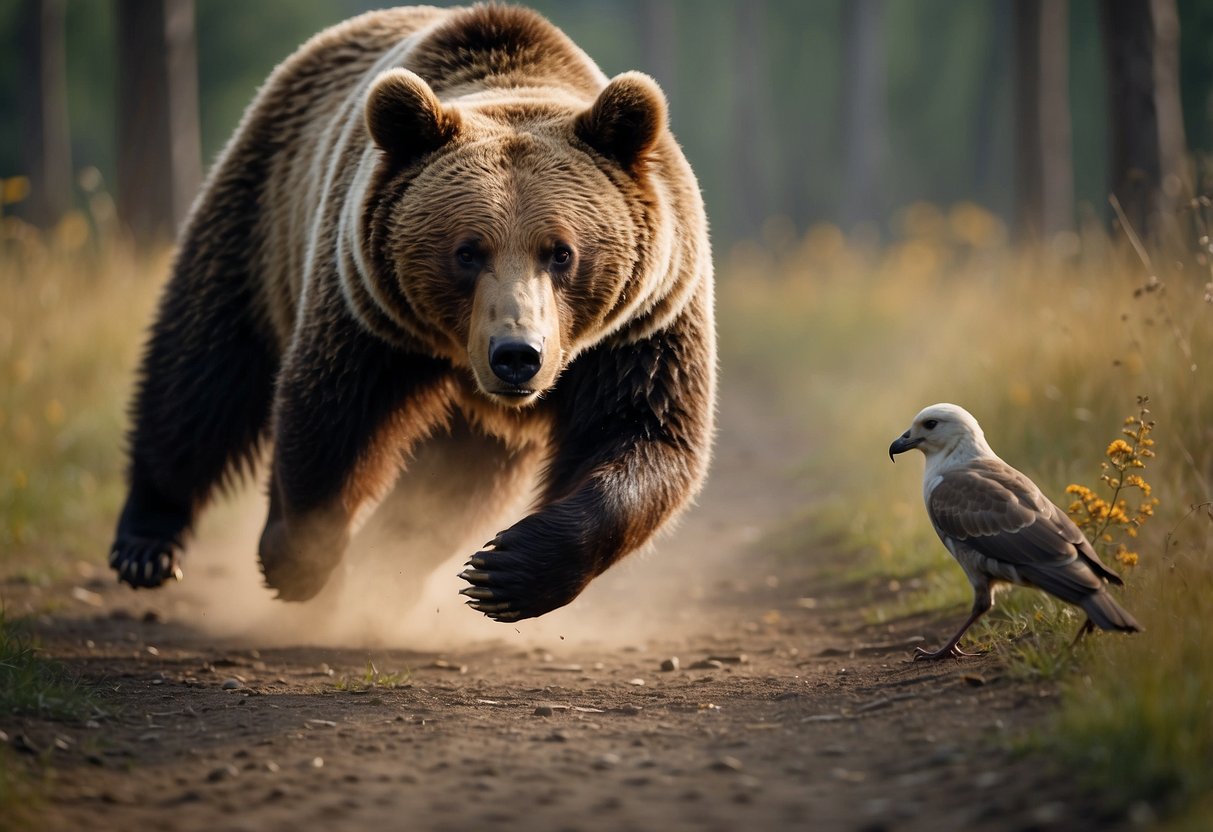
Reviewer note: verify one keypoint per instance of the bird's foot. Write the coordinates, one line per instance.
(1088, 626)
(950, 651)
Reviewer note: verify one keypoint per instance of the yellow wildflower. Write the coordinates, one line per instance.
(1135, 481)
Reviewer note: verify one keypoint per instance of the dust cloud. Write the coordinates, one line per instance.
(380, 597)
(398, 587)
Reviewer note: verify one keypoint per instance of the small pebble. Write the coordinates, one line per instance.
(544, 710)
(988, 779)
(727, 763)
(707, 664)
(443, 664)
(1047, 814)
(669, 664)
(606, 761)
(231, 684)
(224, 772)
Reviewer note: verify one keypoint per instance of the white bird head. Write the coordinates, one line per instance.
(943, 432)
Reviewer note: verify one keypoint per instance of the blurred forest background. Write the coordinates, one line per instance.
(792, 113)
(895, 187)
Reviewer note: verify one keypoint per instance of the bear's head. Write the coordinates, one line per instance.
(510, 232)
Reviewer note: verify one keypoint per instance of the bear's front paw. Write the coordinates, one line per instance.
(510, 584)
(296, 566)
(145, 561)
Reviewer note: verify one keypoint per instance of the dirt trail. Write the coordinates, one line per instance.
(783, 712)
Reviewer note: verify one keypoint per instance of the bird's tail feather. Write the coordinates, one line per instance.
(1106, 614)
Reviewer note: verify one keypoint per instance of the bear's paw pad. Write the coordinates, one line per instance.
(294, 581)
(145, 562)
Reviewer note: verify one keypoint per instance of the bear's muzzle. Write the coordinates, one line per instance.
(515, 360)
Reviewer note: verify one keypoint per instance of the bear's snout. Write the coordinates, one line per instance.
(515, 360)
(514, 343)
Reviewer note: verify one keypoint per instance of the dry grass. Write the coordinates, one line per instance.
(72, 317)
(1049, 349)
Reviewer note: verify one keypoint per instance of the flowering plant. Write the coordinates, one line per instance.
(1109, 523)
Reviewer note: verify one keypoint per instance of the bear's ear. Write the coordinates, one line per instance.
(405, 118)
(626, 120)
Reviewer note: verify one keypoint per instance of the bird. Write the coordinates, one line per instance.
(1001, 528)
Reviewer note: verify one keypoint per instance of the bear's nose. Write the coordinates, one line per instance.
(515, 360)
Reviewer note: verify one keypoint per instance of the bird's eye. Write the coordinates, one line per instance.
(930, 424)
(562, 255)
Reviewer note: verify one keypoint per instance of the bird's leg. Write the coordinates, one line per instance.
(1087, 626)
(982, 602)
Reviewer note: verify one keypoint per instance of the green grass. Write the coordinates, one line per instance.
(20, 797)
(1049, 349)
(1140, 714)
(372, 678)
(32, 685)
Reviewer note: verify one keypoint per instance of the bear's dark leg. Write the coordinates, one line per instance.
(201, 405)
(348, 408)
(632, 443)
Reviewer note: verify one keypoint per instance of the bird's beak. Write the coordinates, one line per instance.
(902, 444)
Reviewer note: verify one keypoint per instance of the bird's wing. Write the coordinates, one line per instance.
(999, 513)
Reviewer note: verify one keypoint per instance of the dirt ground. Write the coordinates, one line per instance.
(784, 710)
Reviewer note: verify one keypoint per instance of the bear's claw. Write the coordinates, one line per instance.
(510, 583)
(145, 562)
(484, 599)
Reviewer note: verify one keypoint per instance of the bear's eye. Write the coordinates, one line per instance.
(467, 256)
(930, 424)
(562, 255)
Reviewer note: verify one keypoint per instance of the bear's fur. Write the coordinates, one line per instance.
(440, 236)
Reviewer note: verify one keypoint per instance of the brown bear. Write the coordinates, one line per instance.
(439, 238)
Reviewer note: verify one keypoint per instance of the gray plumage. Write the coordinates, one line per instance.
(1000, 527)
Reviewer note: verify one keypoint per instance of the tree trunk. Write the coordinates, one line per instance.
(863, 109)
(1141, 54)
(989, 177)
(45, 140)
(159, 161)
(1044, 161)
